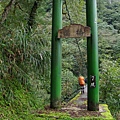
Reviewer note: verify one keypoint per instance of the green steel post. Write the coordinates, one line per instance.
(92, 55)
(56, 55)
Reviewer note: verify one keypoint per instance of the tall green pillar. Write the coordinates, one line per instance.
(56, 55)
(92, 56)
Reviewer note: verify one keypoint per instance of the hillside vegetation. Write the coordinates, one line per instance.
(25, 55)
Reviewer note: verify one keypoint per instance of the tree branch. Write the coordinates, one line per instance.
(32, 15)
(6, 10)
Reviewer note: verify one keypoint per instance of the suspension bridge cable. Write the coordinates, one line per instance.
(80, 52)
(69, 17)
(71, 95)
(81, 55)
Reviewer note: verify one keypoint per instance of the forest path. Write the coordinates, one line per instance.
(78, 100)
(77, 107)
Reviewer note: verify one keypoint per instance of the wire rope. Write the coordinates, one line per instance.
(71, 95)
(80, 52)
(69, 17)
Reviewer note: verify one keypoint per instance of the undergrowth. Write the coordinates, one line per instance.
(17, 101)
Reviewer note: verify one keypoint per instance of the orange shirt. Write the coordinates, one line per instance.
(81, 80)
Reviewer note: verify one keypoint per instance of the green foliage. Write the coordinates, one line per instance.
(16, 100)
(75, 17)
(116, 49)
(109, 12)
(69, 83)
(108, 26)
(54, 115)
(25, 56)
(24, 59)
(109, 85)
(73, 64)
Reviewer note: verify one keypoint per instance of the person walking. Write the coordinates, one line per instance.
(81, 80)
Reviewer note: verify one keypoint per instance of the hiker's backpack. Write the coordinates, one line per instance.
(81, 80)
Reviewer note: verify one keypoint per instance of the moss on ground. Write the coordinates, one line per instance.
(103, 114)
(60, 115)
(107, 113)
(16, 106)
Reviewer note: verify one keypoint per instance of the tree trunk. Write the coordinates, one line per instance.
(31, 19)
(7, 10)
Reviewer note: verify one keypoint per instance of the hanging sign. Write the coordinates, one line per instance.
(74, 31)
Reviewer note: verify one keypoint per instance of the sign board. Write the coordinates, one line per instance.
(74, 31)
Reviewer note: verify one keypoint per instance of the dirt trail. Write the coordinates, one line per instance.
(78, 106)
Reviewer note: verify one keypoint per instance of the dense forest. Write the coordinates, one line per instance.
(25, 54)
